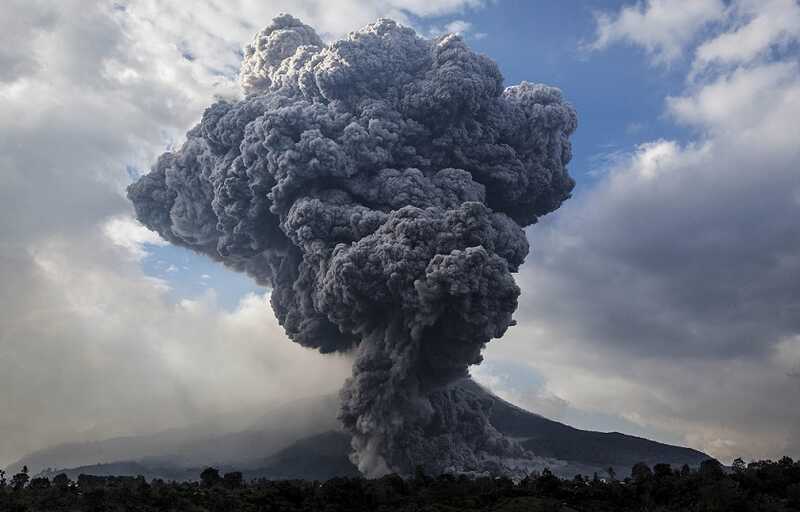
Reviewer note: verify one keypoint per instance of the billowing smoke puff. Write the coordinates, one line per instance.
(379, 186)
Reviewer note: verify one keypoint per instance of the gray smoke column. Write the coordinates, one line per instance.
(379, 185)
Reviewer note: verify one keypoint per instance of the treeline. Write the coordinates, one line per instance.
(759, 486)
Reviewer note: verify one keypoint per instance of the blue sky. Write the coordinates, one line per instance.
(618, 94)
(661, 300)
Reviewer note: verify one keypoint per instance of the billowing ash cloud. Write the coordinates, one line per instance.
(379, 185)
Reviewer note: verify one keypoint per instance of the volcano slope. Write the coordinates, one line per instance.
(309, 446)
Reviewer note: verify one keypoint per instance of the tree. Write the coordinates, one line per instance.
(793, 494)
(641, 472)
(662, 470)
(548, 483)
(61, 480)
(739, 465)
(711, 469)
(232, 480)
(19, 480)
(210, 477)
(39, 483)
(611, 473)
(419, 474)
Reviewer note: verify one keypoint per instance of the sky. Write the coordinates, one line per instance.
(662, 300)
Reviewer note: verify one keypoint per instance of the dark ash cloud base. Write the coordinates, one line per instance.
(379, 185)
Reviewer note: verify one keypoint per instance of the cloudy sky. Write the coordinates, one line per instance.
(663, 300)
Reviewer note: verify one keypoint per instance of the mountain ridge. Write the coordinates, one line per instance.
(302, 440)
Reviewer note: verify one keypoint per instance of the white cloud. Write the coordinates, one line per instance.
(667, 294)
(652, 159)
(532, 398)
(127, 233)
(213, 33)
(90, 347)
(755, 106)
(787, 354)
(664, 28)
(664, 296)
(758, 25)
(458, 27)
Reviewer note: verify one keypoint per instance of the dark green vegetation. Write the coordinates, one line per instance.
(300, 441)
(761, 486)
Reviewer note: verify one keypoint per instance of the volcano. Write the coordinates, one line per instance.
(302, 440)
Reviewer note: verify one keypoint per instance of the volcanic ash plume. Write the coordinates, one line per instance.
(379, 185)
